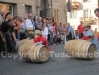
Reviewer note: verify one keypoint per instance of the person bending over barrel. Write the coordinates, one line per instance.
(39, 39)
(89, 34)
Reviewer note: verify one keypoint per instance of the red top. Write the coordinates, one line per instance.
(56, 27)
(43, 40)
(85, 37)
(80, 29)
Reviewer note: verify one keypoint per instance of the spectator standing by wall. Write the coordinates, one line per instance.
(96, 32)
(22, 28)
(80, 30)
(29, 22)
(55, 24)
(51, 30)
(8, 28)
(63, 33)
(40, 23)
(18, 30)
(69, 32)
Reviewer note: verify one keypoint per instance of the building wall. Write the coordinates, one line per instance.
(19, 6)
(90, 6)
(58, 5)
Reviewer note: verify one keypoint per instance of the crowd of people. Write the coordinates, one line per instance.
(18, 28)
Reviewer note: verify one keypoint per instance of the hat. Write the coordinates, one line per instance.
(38, 32)
(30, 29)
(86, 24)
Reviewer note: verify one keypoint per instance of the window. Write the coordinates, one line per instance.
(7, 8)
(98, 3)
(86, 0)
(28, 9)
(87, 13)
(11, 10)
(73, 14)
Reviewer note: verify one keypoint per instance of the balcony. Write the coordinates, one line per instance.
(75, 5)
(90, 19)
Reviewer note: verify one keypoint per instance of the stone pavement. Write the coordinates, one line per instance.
(55, 66)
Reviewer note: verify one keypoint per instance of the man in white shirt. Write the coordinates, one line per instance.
(29, 22)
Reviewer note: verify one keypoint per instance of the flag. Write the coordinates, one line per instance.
(69, 7)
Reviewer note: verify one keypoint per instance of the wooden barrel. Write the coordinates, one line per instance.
(33, 53)
(19, 43)
(80, 49)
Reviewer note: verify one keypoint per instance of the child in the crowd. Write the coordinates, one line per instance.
(89, 34)
(39, 39)
(76, 35)
(43, 32)
(30, 33)
(51, 29)
(45, 29)
(59, 40)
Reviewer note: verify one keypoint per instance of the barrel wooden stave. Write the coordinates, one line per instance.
(22, 42)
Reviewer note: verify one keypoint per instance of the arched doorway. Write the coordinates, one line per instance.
(45, 8)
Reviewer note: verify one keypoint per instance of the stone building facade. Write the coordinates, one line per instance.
(46, 8)
(85, 11)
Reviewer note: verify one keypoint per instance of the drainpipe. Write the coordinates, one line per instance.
(52, 8)
(37, 7)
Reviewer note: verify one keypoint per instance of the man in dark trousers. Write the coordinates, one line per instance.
(80, 30)
(69, 32)
(7, 28)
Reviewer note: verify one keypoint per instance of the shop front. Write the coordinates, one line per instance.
(7, 8)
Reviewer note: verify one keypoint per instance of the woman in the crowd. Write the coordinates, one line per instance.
(63, 33)
(22, 28)
(50, 28)
(7, 16)
(36, 22)
(39, 24)
(18, 30)
(15, 29)
(59, 34)
(55, 30)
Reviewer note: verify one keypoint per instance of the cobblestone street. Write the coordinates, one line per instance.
(55, 66)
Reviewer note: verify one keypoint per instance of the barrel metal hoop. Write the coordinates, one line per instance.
(39, 51)
(21, 42)
(35, 54)
(70, 45)
(30, 52)
(20, 50)
(24, 47)
(84, 47)
(79, 48)
(87, 49)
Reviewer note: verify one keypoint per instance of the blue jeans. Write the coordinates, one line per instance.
(18, 36)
